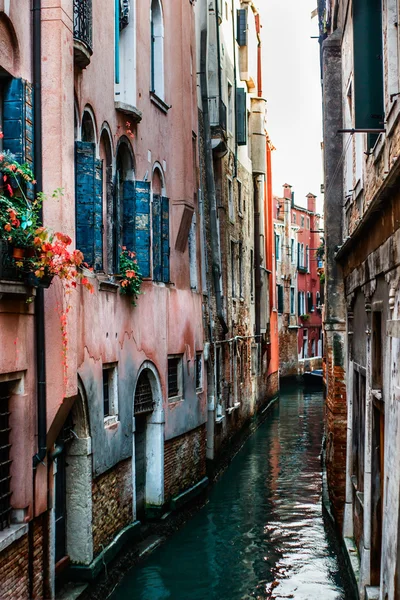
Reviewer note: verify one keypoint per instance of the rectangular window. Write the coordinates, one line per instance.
(192, 244)
(241, 118)
(199, 370)
(277, 246)
(279, 290)
(110, 393)
(302, 221)
(233, 278)
(230, 107)
(240, 270)
(5, 462)
(292, 302)
(310, 307)
(231, 200)
(175, 375)
(294, 217)
(308, 259)
(292, 251)
(240, 200)
(137, 232)
(251, 274)
(308, 222)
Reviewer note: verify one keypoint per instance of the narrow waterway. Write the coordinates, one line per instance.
(261, 535)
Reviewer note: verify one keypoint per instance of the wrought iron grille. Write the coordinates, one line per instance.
(83, 22)
(143, 396)
(173, 376)
(5, 462)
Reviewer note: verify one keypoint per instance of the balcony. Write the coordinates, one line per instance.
(83, 38)
(218, 125)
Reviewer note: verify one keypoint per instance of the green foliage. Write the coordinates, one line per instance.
(131, 278)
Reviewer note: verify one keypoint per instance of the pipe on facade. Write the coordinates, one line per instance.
(215, 251)
(218, 53)
(39, 300)
(235, 80)
(257, 254)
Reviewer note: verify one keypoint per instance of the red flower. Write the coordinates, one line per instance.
(7, 227)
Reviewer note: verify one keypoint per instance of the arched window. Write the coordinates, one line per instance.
(109, 235)
(157, 49)
(89, 195)
(160, 227)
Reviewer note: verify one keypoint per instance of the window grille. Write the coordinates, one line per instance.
(83, 22)
(106, 392)
(144, 402)
(174, 365)
(199, 375)
(5, 461)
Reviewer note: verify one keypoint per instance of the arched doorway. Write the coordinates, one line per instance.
(148, 443)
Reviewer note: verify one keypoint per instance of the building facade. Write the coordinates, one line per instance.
(361, 143)
(110, 410)
(297, 239)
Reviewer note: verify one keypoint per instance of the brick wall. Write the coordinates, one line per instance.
(39, 526)
(14, 571)
(112, 504)
(184, 461)
(336, 425)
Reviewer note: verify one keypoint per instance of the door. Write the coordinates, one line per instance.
(140, 464)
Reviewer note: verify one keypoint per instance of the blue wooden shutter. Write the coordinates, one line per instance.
(84, 199)
(241, 117)
(241, 27)
(142, 226)
(128, 219)
(165, 239)
(157, 254)
(98, 217)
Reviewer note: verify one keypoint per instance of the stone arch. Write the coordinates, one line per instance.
(125, 158)
(9, 47)
(158, 184)
(88, 125)
(152, 420)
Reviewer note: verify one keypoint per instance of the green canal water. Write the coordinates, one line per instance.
(261, 535)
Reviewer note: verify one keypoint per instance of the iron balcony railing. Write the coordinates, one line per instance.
(83, 22)
(217, 112)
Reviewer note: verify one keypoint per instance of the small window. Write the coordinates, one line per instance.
(5, 462)
(239, 195)
(308, 222)
(230, 107)
(157, 49)
(199, 370)
(174, 378)
(233, 277)
(110, 394)
(240, 265)
(279, 290)
(292, 301)
(230, 200)
(292, 251)
(293, 217)
(277, 246)
(302, 221)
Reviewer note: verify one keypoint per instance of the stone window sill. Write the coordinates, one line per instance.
(232, 409)
(111, 421)
(130, 110)
(219, 420)
(15, 288)
(163, 106)
(175, 399)
(12, 534)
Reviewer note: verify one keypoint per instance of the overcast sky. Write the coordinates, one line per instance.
(291, 85)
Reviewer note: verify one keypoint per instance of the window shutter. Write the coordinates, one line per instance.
(241, 117)
(241, 26)
(310, 302)
(157, 255)
(298, 256)
(142, 226)
(280, 299)
(128, 217)
(165, 239)
(299, 307)
(84, 199)
(368, 65)
(98, 216)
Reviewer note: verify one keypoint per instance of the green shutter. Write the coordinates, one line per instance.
(241, 26)
(368, 65)
(241, 117)
(156, 224)
(84, 199)
(299, 303)
(165, 239)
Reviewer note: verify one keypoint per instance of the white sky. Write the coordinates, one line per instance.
(291, 85)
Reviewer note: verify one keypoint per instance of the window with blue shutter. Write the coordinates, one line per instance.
(241, 117)
(241, 26)
(128, 215)
(165, 239)
(18, 122)
(142, 226)
(89, 204)
(157, 251)
(98, 216)
(368, 66)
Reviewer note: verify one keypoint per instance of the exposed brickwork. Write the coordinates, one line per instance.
(14, 571)
(112, 504)
(38, 557)
(336, 428)
(273, 385)
(288, 351)
(184, 461)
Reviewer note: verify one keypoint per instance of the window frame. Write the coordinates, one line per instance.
(179, 371)
(112, 373)
(198, 360)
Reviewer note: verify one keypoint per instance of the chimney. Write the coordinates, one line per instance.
(287, 191)
(311, 202)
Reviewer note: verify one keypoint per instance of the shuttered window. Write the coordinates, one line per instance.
(241, 117)
(310, 306)
(89, 204)
(368, 66)
(241, 26)
(280, 298)
(165, 239)
(136, 222)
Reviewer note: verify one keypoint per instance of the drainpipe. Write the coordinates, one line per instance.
(215, 251)
(39, 301)
(257, 254)
(235, 82)
(218, 56)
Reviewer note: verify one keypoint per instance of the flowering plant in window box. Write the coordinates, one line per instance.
(304, 317)
(131, 278)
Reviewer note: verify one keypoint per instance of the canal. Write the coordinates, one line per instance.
(261, 535)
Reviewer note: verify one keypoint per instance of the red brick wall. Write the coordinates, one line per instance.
(38, 556)
(112, 504)
(184, 461)
(14, 571)
(336, 428)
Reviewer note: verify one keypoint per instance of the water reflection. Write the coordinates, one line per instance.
(261, 536)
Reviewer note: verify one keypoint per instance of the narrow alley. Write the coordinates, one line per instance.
(262, 533)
